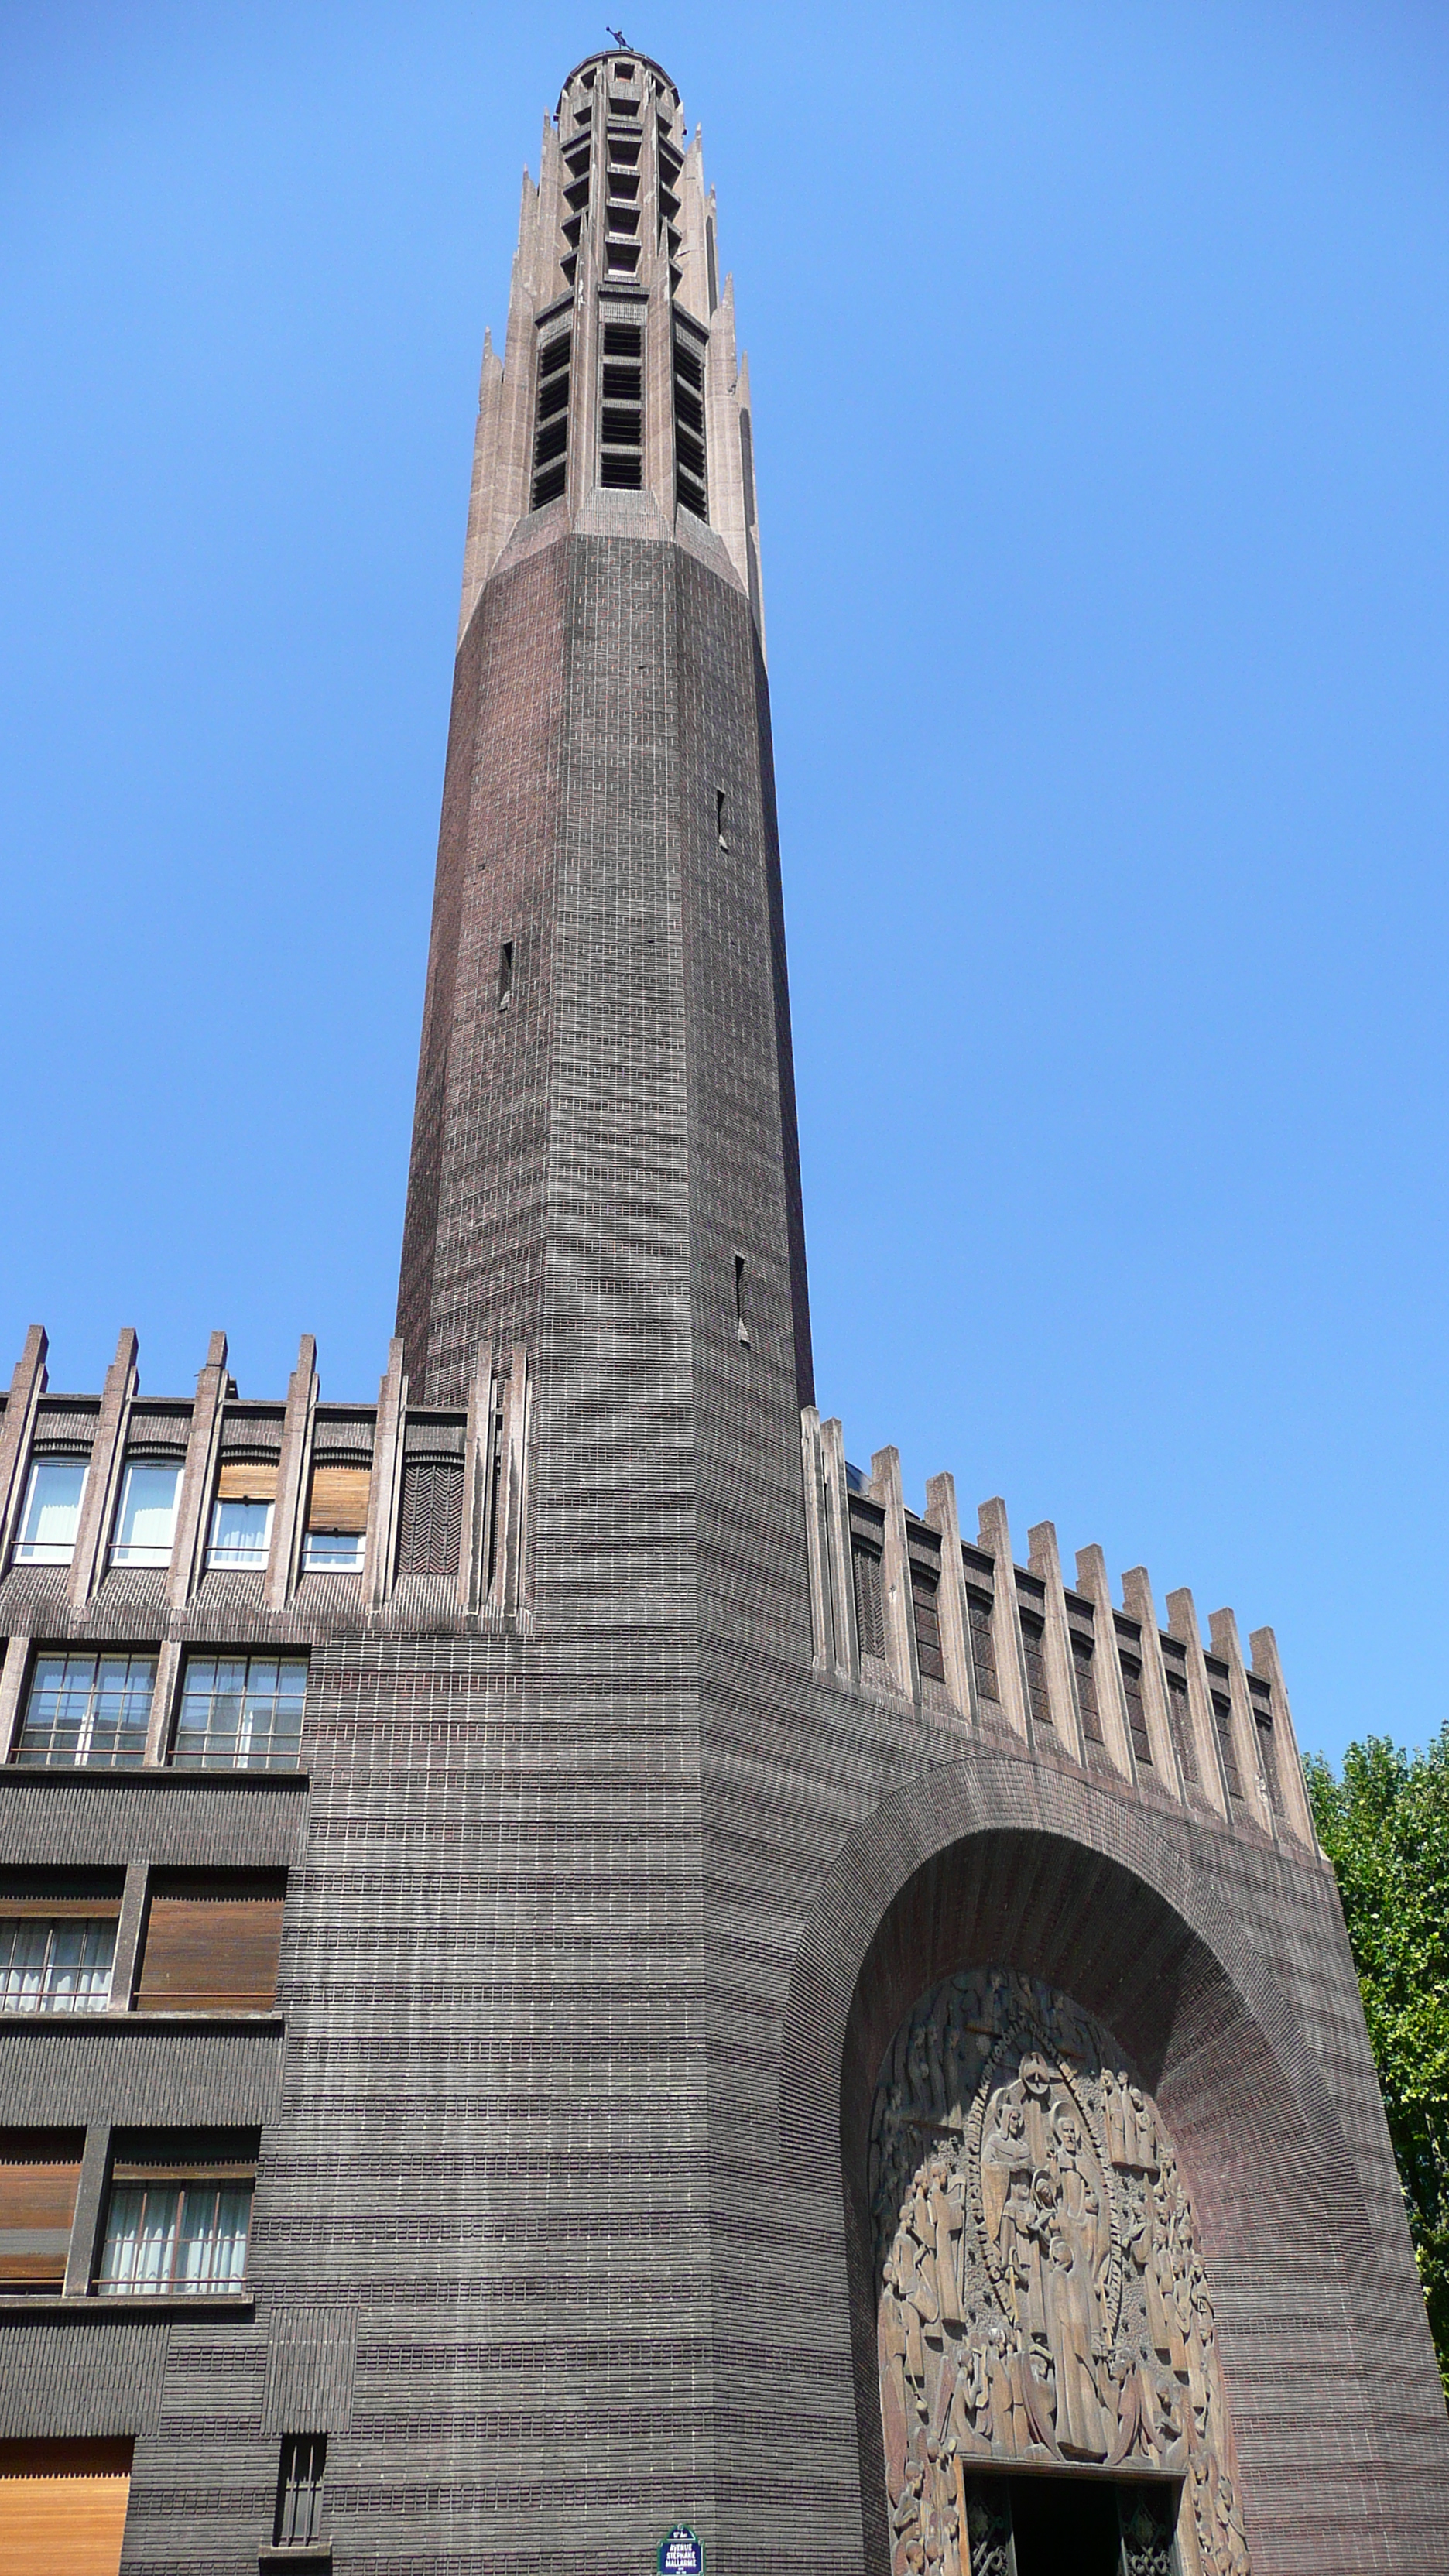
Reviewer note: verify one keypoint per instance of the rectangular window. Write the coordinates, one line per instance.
(1033, 1639)
(1179, 1716)
(241, 1517)
(1083, 1661)
(63, 2505)
(431, 1538)
(691, 486)
(1136, 1710)
(175, 2235)
(56, 1962)
(87, 1712)
(867, 1551)
(551, 421)
(1223, 1721)
(983, 1647)
(336, 1520)
(51, 1517)
(505, 974)
(39, 2179)
(299, 2489)
(240, 1713)
(926, 1605)
(146, 1521)
(621, 386)
(1267, 1747)
(212, 1941)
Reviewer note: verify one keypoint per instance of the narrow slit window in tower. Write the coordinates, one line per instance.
(691, 488)
(621, 407)
(1223, 1720)
(1033, 1639)
(505, 974)
(1083, 1659)
(741, 1327)
(1136, 1709)
(719, 818)
(551, 429)
(983, 1649)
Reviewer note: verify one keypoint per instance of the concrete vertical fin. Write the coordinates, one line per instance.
(1267, 1664)
(1093, 1584)
(1223, 1632)
(1182, 1624)
(509, 1542)
(900, 1624)
(837, 1535)
(103, 1477)
(817, 1542)
(995, 1539)
(1138, 1603)
(17, 1434)
(1045, 1561)
(477, 1481)
(289, 1512)
(384, 1500)
(198, 1479)
(942, 1515)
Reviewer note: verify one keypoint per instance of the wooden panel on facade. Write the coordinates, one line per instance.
(39, 2178)
(339, 1499)
(212, 1943)
(248, 1481)
(63, 2507)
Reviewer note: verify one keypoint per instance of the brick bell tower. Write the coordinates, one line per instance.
(604, 1168)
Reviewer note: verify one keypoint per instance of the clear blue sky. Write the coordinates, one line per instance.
(1101, 369)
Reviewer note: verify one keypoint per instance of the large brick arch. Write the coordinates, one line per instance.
(979, 1862)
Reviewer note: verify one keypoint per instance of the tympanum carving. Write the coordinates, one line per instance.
(1042, 2298)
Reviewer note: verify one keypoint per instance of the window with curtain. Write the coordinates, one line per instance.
(56, 1964)
(51, 1517)
(172, 2235)
(241, 1517)
(241, 1713)
(146, 1521)
(87, 1712)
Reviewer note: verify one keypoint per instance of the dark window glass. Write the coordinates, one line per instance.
(241, 1713)
(1223, 1720)
(1033, 1638)
(1136, 1713)
(865, 1564)
(299, 2489)
(1083, 1659)
(926, 1607)
(983, 1647)
(87, 1712)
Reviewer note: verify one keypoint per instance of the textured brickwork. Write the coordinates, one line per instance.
(609, 1881)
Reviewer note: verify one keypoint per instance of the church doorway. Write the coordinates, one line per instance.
(1062, 2524)
(1070, 2526)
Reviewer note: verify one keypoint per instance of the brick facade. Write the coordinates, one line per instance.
(621, 1842)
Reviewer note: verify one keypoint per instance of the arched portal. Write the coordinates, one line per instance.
(1043, 2305)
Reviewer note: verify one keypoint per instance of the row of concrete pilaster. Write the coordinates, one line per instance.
(838, 1651)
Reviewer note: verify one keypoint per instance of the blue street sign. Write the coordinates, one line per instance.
(682, 2554)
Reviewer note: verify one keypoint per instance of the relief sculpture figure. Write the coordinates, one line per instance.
(1042, 2297)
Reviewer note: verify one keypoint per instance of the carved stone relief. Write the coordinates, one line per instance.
(1042, 2299)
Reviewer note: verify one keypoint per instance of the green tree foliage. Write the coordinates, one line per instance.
(1385, 1827)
